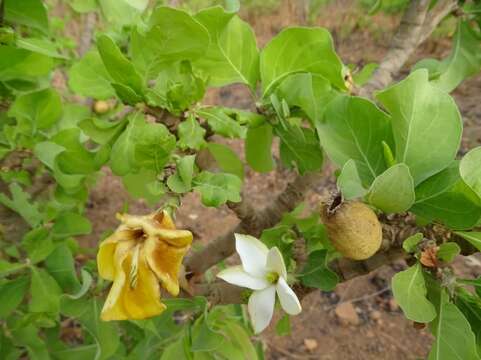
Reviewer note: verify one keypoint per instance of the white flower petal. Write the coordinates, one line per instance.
(275, 262)
(253, 254)
(261, 307)
(288, 298)
(237, 276)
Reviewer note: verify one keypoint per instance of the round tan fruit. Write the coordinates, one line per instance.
(101, 107)
(353, 229)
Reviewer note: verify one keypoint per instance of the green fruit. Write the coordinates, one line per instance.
(353, 229)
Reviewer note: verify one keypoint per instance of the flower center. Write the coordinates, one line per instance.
(272, 277)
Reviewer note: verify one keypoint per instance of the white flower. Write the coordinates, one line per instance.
(263, 271)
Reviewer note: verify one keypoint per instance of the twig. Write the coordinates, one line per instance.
(360, 298)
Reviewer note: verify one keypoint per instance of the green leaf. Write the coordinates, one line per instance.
(31, 13)
(362, 77)
(307, 91)
(26, 335)
(470, 170)
(300, 147)
(464, 60)
(61, 265)
(232, 56)
(221, 123)
(83, 6)
(349, 181)
(122, 12)
(446, 198)
(181, 181)
(217, 189)
(125, 76)
(12, 293)
(22, 64)
(7, 268)
(20, 204)
(454, 338)
(153, 147)
(411, 243)
(191, 134)
(417, 107)
(300, 49)
(45, 293)
(409, 290)
(187, 39)
(38, 110)
(102, 131)
(71, 224)
(258, 148)
(393, 190)
(144, 185)
(40, 46)
(354, 128)
(75, 159)
(470, 306)
(448, 251)
(122, 156)
(316, 272)
(89, 77)
(87, 312)
(38, 244)
(227, 159)
(473, 237)
(283, 326)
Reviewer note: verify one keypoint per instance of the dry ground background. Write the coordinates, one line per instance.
(359, 320)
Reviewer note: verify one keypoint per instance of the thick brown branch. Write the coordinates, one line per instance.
(85, 40)
(252, 222)
(403, 45)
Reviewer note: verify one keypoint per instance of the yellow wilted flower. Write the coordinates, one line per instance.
(141, 252)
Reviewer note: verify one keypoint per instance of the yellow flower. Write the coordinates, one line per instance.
(141, 252)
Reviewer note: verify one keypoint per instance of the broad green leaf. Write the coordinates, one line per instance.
(316, 272)
(176, 88)
(20, 203)
(125, 76)
(446, 198)
(61, 265)
(354, 128)
(38, 244)
(69, 224)
(144, 184)
(470, 306)
(283, 326)
(171, 35)
(22, 64)
(470, 169)
(75, 159)
(122, 157)
(102, 131)
(27, 336)
(411, 243)
(393, 190)
(258, 148)
(227, 159)
(464, 60)
(448, 251)
(37, 110)
(181, 181)
(216, 189)
(409, 290)
(7, 268)
(454, 337)
(153, 147)
(221, 123)
(40, 46)
(204, 338)
(362, 77)
(12, 293)
(122, 12)
(299, 49)
(300, 147)
(90, 78)
(72, 115)
(191, 134)
(349, 181)
(30, 13)
(232, 56)
(307, 91)
(87, 312)
(45, 293)
(417, 107)
(83, 6)
(473, 237)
